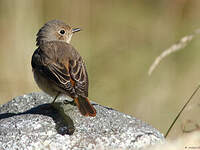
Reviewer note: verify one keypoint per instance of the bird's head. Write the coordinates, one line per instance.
(55, 30)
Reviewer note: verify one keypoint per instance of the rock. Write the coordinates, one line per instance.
(31, 122)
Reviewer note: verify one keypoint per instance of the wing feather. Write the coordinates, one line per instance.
(79, 74)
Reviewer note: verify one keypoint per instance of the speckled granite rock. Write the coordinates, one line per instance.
(30, 122)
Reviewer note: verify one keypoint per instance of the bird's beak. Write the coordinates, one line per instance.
(76, 30)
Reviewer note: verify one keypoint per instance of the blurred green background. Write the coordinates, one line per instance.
(119, 42)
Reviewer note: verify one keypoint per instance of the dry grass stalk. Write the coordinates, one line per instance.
(182, 43)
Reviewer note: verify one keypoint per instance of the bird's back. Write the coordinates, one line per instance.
(59, 49)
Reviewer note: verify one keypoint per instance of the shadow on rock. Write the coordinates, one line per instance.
(64, 124)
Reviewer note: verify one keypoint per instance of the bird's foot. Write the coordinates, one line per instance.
(69, 102)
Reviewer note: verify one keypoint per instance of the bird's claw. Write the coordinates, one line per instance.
(69, 102)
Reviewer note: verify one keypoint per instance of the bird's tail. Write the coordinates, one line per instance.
(85, 107)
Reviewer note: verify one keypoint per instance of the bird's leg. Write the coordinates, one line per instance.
(56, 97)
(69, 102)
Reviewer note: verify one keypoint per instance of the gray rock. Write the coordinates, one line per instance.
(30, 122)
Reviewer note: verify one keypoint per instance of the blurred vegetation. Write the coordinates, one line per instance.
(119, 42)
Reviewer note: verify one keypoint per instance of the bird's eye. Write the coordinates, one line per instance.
(62, 31)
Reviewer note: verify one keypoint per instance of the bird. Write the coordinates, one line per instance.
(58, 68)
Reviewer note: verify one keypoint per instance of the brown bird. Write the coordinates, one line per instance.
(58, 68)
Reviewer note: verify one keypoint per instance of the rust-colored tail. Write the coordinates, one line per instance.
(85, 107)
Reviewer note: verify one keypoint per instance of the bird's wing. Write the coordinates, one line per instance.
(62, 77)
(78, 74)
(65, 67)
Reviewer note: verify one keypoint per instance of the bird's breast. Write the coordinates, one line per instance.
(43, 83)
